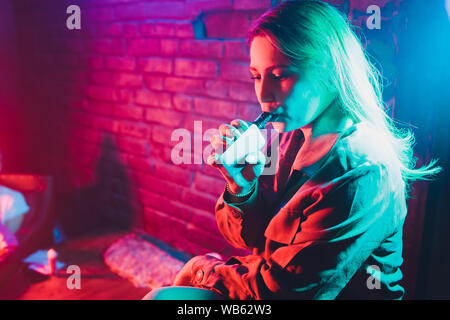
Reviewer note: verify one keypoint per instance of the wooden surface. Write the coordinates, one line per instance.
(97, 281)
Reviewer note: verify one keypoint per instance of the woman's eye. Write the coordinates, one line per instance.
(280, 77)
(255, 77)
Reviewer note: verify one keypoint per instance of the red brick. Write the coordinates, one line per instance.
(121, 63)
(166, 9)
(189, 86)
(216, 88)
(206, 123)
(182, 102)
(236, 71)
(184, 30)
(122, 79)
(208, 184)
(164, 29)
(194, 8)
(134, 129)
(104, 124)
(243, 92)
(146, 29)
(247, 111)
(126, 95)
(98, 14)
(251, 4)
(158, 152)
(102, 93)
(129, 112)
(143, 47)
(215, 108)
(154, 82)
(132, 145)
(201, 48)
(156, 65)
(133, 11)
(155, 185)
(173, 173)
(238, 24)
(169, 47)
(163, 116)
(198, 199)
(205, 220)
(109, 30)
(207, 241)
(130, 31)
(163, 135)
(94, 137)
(237, 49)
(164, 204)
(154, 98)
(180, 242)
(158, 224)
(101, 77)
(139, 163)
(195, 68)
(100, 107)
(364, 4)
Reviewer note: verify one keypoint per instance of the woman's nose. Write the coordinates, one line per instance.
(266, 92)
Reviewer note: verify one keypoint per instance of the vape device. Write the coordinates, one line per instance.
(251, 141)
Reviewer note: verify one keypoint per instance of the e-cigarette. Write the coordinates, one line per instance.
(251, 141)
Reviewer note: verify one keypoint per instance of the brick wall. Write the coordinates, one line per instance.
(114, 92)
(106, 99)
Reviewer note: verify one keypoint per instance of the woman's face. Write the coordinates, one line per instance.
(279, 83)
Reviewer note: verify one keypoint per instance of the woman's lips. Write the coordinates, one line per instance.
(277, 114)
(278, 118)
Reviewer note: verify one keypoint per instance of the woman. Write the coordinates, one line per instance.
(329, 223)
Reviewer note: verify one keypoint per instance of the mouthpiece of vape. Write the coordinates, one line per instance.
(263, 119)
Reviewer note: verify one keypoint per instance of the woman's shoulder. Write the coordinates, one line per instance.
(362, 144)
(361, 151)
(358, 152)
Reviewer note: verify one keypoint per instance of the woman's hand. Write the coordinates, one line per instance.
(254, 163)
(185, 276)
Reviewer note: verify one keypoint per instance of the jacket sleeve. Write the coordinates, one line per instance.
(325, 242)
(243, 224)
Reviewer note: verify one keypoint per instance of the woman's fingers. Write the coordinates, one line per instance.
(234, 129)
(255, 166)
(243, 125)
(212, 161)
(220, 143)
(226, 130)
(256, 158)
(252, 167)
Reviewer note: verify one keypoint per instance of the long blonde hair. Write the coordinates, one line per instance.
(315, 35)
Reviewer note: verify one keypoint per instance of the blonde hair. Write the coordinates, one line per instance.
(313, 34)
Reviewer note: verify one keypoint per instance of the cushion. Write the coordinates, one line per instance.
(142, 262)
